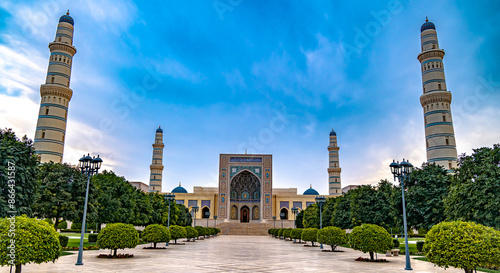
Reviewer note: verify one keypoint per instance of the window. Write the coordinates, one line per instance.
(425, 120)
(444, 118)
(439, 86)
(432, 106)
(432, 65)
(447, 141)
(43, 134)
(59, 100)
(52, 80)
(59, 58)
(47, 111)
(433, 46)
(63, 137)
(66, 115)
(427, 143)
(449, 165)
(59, 41)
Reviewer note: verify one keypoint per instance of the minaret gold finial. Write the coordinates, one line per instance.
(179, 183)
(310, 186)
(426, 19)
(67, 13)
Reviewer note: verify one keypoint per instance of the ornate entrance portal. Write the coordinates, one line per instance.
(245, 215)
(245, 194)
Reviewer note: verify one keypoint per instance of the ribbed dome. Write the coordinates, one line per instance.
(311, 191)
(332, 133)
(427, 25)
(179, 189)
(66, 18)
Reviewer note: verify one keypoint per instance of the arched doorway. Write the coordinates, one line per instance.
(245, 214)
(234, 212)
(204, 212)
(255, 213)
(284, 211)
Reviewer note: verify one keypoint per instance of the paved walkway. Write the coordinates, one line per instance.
(231, 254)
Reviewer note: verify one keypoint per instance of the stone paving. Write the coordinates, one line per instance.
(231, 253)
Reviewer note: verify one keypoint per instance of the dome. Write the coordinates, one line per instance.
(332, 133)
(311, 191)
(159, 130)
(427, 25)
(179, 189)
(66, 18)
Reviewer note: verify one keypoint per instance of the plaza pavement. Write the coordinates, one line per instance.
(228, 253)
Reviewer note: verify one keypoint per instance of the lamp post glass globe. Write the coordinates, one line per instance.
(282, 216)
(215, 219)
(207, 214)
(88, 166)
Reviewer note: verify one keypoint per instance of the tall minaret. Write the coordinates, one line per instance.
(334, 166)
(436, 100)
(156, 166)
(56, 94)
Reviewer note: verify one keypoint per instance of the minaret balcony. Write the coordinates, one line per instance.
(62, 47)
(433, 53)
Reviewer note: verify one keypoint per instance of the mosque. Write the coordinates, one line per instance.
(245, 192)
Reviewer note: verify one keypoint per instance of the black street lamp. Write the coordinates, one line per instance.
(194, 209)
(320, 200)
(215, 224)
(169, 197)
(207, 214)
(294, 211)
(402, 171)
(282, 216)
(89, 166)
(274, 219)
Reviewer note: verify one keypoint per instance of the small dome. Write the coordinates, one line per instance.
(179, 189)
(159, 130)
(66, 18)
(427, 25)
(311, 191)
(332, 133)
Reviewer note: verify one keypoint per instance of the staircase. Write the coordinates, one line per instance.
(252, 228)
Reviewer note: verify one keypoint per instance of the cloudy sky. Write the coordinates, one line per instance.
(272, 77)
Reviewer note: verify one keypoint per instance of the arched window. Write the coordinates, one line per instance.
(59, 39)
(204, 213)
(285, 214)
(52, 80)
(63, 137)
(43, 134)
(433, 46)
(427, 144)
(447, 141)
(47, 111)
(439, 86)
(444, 118)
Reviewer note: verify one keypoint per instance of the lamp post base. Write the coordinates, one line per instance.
(79, 264)
(406, 268)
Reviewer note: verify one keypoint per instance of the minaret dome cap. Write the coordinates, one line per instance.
(311, 191)
(159, 130)
(66, 18)
(427, 25)
(332, 133)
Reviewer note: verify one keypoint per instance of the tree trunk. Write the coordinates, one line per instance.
(175, 241)
(114, 252)
(312, 243)
(18, 268)
(57, 222)
(371, 256)
(466, 270)
(154, 244)
(333, 247)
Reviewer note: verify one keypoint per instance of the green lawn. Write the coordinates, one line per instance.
(75, 242)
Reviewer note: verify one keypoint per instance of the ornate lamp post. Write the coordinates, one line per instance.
(274, 219)
(169, 197)
(402, 171)
(282, 216)
(89, 166)
(320, 200)
(215, 224)
(294, 211)
(207, 214)
(194, 209)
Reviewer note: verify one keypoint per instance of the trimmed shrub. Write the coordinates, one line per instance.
(201, 231)
(93, 237)
(420, 246)
(217, 230)
(332, 236)
(396, 243)
(465, 245)
(76, 225)
(370, 238)
(177, 232)
(63, 240)
(270, 231)
(296, 234)
(62, 225)
(49, 221)
(286, 233)
(118, 236)
(422, 231)
(156, 234)
(191, 232)
(36, 241)
(280, 232)
(310, 235)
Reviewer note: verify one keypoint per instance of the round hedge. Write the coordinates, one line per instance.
(191, 232)
(36, 241)
(310, 235)
(465, 245)
(370, 238)
(156, 233)
(177, 232)
(118, 236)
(332, 236)
(62, 225)
(296, 233)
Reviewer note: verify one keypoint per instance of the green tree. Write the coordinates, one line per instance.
(296, 234)
(183, 215)
(156, 233)
(18, 171)
(311, 217)
(62, 193)
(425, 192)
(191, 232)
(372, 205)
(465, 245)
(177, 232)
(118, 236)
(332, 236)
(342, 211)
(299, 219)
(473, 195)
(34, 241)
(310, 235)
(328, 210)
(370, 238)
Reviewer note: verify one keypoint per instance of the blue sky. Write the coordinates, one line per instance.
(273, 77)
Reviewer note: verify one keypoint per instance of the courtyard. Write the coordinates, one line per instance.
(228, 253)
